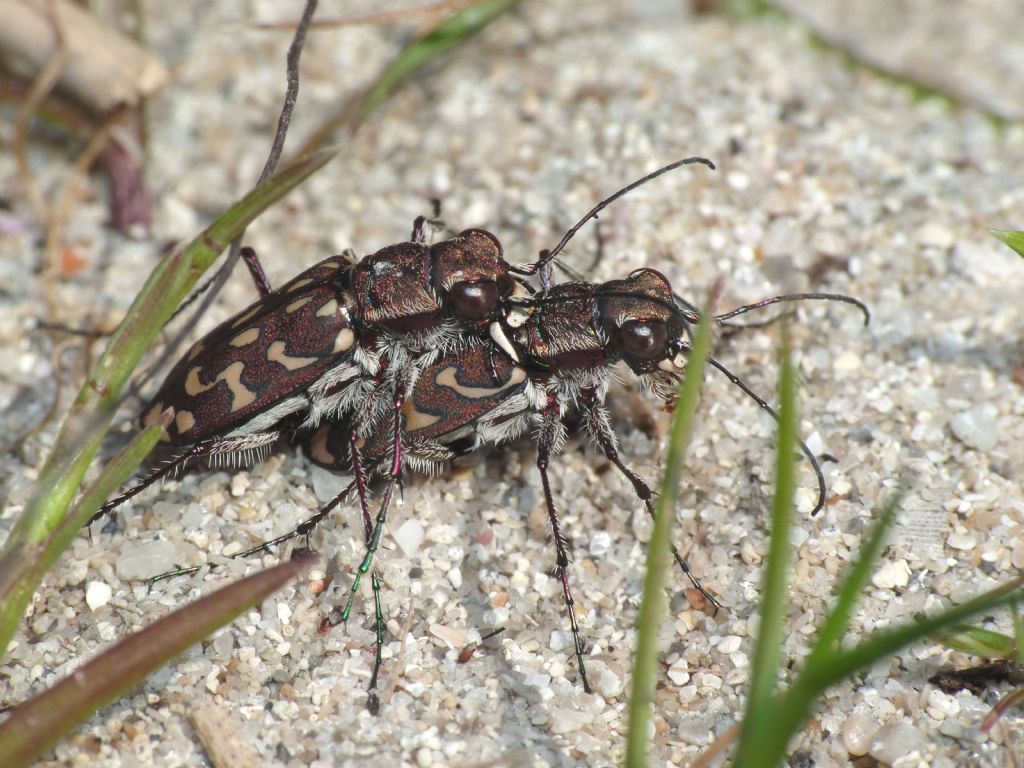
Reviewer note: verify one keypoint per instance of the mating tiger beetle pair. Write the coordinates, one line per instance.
(420, 353)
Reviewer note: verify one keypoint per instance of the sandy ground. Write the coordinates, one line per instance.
(830, 178)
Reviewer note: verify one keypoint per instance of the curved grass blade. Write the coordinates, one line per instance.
(653, 601)
(24, 567)
(977, 641)
(1013, 238)
(834, 629)
(759, 719)
(35, 726)
(791, 708)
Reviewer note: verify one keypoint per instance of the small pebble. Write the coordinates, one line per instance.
(239, 484)
(976, 427)
(858, 731)
(454, 576)
(679, 673)
(454, 638)
(896, 740)
(961, 539)
(600, 543)
(605, 680)
(941, 705)
(730, 644)
(97, 594)
(847, 361)
(147, 560)
(327, 484)
(1017, 556)
(409, 536)
(935, 235)
(830, 243)
(892, 575)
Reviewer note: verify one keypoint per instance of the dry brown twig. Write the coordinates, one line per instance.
(105, 69)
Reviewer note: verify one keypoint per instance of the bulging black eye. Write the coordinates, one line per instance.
(643, 340)
(473, 301)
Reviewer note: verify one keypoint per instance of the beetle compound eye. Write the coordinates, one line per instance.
(474, 301)
(643, 340)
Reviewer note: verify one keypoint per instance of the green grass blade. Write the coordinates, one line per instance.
(1013, 238)
(34, 727)
(652, 603)
(977, 641)
(759, 718)
(22, 568)
(453, 31)
(1018, 632)
(446, 36)
(791, 709)
(830, 638)
(87, 423)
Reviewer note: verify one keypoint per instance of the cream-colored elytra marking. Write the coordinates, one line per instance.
(344, 340)
(300, 284)
(298, 304)
(241, 396)
(247, 316)
(318, 447)
(446, 378)
(246, 337)
(196, 349)
(416, 419)
(184, 421)
(150, 419)
(328, 309)
(276, 354)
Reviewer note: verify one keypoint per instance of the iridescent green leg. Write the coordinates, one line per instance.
(373, 539)
(373, 702)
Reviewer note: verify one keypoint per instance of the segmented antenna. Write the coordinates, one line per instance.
(734, 379)
(544, 257)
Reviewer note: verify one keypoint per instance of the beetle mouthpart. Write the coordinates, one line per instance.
(516, 317)
(499, 337)
(676, 365)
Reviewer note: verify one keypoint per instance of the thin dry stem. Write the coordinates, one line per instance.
(381, 17)
(42, 86)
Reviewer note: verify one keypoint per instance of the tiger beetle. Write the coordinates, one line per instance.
(349, 342)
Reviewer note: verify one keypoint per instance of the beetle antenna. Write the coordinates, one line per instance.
(734, 379)
(544, 257)
(793, 297)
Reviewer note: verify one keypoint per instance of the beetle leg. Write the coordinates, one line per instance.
(550, 434)
(303, 528)
(259, 277)
(419, 226)
(596, 419)
(394, 475)
(373, 704)
(199, 449)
